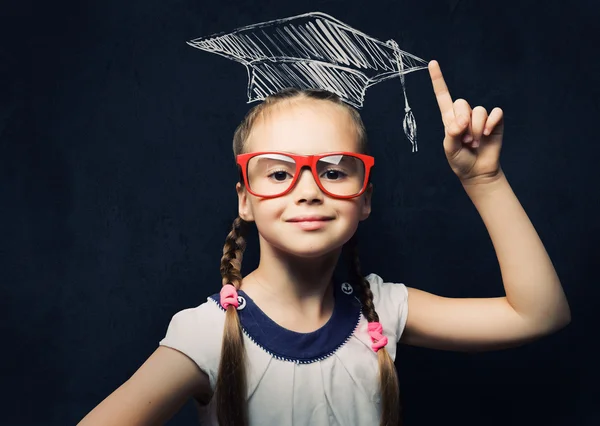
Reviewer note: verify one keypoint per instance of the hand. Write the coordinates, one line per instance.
(472, 139)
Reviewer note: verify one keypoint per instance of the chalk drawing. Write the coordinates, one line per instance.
(315, 50)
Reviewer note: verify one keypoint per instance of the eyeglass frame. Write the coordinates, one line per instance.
(303, 161)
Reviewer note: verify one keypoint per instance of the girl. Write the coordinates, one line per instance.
(286, 344)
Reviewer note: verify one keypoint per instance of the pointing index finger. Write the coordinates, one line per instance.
(441, 91)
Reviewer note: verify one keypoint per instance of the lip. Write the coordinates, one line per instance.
(310, 223)
(312, 218)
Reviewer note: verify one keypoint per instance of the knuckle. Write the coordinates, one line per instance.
(453, 130)
(462, 102)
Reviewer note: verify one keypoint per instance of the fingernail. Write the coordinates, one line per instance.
(468, 138)
(475, 144)
(486, 132)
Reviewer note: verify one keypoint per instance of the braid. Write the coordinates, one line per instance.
(388, 379)
(235, 244)
(366, 295)
(230, 390)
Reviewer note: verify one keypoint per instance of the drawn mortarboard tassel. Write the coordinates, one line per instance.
(315, 50)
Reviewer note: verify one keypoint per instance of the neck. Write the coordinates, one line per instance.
(302, 283)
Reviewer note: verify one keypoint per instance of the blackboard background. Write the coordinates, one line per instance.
(117, 191)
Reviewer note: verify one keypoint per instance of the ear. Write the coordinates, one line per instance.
(244, 208)
(366, 205)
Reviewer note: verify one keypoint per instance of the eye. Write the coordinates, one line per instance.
(279, 175)
(333, 174)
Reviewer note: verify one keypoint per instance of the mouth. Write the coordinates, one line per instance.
(310, 219)
(310, 223)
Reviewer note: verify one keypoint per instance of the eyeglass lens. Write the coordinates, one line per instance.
(272, 174)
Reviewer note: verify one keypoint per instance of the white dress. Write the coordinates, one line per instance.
(326, 377)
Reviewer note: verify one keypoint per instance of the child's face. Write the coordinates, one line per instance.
(304, 127)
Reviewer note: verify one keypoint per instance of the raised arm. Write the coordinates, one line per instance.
(535, 304)
(157, 390)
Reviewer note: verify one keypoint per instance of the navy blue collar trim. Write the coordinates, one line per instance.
(301, 348)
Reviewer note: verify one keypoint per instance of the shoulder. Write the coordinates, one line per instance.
(387, 293)
(202, 316)
(198, 332)
(390, 301)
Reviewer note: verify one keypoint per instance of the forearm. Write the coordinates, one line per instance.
(531, 284)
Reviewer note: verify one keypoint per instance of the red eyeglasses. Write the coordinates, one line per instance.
(273, 174)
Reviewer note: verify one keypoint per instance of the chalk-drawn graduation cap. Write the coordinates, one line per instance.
(315, 50)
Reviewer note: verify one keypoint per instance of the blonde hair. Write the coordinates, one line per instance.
(231, 387)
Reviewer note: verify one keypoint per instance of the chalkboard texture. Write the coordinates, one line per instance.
(117, 191)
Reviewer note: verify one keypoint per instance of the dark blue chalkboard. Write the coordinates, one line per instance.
(117, 191)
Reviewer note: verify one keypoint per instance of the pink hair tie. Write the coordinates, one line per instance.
(376, 333)
(229, 296)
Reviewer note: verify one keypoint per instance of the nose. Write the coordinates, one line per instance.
(307, 190)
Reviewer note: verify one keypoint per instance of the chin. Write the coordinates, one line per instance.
(311, 252)
(310, 245)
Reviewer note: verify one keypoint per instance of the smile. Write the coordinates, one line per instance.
(310, 219)
(310, 223)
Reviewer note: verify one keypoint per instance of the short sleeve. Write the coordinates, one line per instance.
(198, 333)
(391, 303)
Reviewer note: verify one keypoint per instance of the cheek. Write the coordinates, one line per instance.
(266, 211)
(352, 209)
